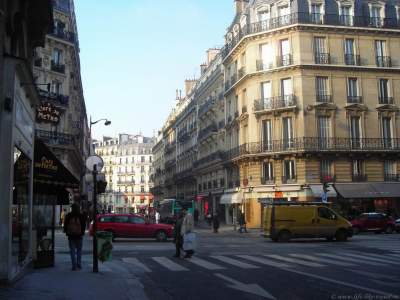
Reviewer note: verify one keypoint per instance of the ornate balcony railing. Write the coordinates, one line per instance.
(55, 138)
(315, 144)
(354, 99)
(213, 157)
(323, 98)
(267, 180)
(392, 177)
(274, 103)
(359, 177)
(53, 98)
(383, 61)
(206, 132)
(352, 60)
(316, 18)
(206, 106)
(322, 58)
(263, 65)
(64, 35)
(284, 60)
(385, 100)
(57, 67)
(289, 179)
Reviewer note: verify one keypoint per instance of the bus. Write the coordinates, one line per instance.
(170, 208)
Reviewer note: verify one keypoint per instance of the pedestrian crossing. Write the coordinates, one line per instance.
(350, 260)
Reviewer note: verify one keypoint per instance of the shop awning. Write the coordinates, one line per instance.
(317, 191)
(231, 198)
(369, 190)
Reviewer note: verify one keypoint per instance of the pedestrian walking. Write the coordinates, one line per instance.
(215, 221)
(187, 227)
(196, 216)
(157, 216)
(178, 239)
(209, 219)
(242, 222)
(74, 228)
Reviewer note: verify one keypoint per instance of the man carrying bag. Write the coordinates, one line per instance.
(189, 237)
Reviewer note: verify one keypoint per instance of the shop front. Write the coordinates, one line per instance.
(232, 203)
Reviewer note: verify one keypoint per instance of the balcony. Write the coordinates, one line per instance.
(284, 60)
(233, 184)
(289, 179)
(64, 35)
(183, 135)
(322, 98)
(38, 62)
(267, 180)
(352, 60)
(322, 58)
(263, 65)
(376, 22)
(354, 99)
(316, 18)
(392, 177)
(57, 67)
(359, 177)
(206, 106)
(385, 100)
(125, 182)
(383, 61)
(206, 132)
(213, 157)
(274, 103)
(56, 99)
(346, 20)
(55, 138)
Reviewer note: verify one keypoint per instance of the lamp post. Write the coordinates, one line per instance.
(94, 173)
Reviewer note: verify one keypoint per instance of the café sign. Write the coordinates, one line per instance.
(48, 113)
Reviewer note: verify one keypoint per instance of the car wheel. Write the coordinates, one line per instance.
(161, 236)
(341, 235)
(284, 236)
(356, 230)
(389, 229)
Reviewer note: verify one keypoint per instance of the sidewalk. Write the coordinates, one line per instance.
(60, 283)
(203, 227)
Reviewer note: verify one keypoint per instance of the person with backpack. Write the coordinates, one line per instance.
(74, 228)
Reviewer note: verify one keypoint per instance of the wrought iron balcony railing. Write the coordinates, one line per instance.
(64, 35)
(392, 177)
(206, 132)
(53, 98)
(346, 20)
(359, 177)
(354, 99)
(322, 58)
(213, 157)
(385, 100)
(55, 138)
(57, 67)
(274, 103)
(284, 60)
(206, 106)
(352, 60)
(383, 61)
(267, 180)
(263, 65)
(289, 179)
(324, 98)
(316, 18)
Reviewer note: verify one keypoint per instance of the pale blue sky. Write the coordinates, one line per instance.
(136, 53)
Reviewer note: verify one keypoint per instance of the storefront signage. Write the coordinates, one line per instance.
(48, 113)
(46, 164)
(278, 194)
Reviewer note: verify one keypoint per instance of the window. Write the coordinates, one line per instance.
(143, 159)
(137, 220)
(390, 170)
(383, 90)
(382, 59)
(324, 131)
(287, 132)
(320, 52)
(286, 92)
(56, 87)
(289, 171)
(126, 160)
(387, 132)
(57, 56)
(106, 219)
(266, 54)
(352, 91)
(142, 169)
(326, 213)
(285, 59)
(346, 17)
(350, 57)
(358, 170)
(375, 16)
(263, 18)
(284, 15)
(326, 170)
(355, 132)
(142, 179)
(266, 94)
(316, 13)
(121, 219)
(267, 135)
(321, 86)
(267, 172)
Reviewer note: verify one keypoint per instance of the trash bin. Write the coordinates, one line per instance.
(104, 245)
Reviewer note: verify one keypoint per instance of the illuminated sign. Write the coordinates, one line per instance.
(48, 113)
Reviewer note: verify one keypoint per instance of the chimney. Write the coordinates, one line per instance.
(203, 68)
(189, 83)
(211, 54)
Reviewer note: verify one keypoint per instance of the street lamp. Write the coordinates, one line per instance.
(94, 173)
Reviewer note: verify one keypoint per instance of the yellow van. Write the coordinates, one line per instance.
(284, 221)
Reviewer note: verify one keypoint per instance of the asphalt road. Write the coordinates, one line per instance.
(230, 265)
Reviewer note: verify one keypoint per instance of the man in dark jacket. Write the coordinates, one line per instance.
(178, 239)
(74, 228)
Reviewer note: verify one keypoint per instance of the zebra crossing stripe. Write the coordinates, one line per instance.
(205, 264)
(264, 261)
(136, 263)
(234, 262)
(394, 255)
(169, 264)
(370, 257)
(359, 261)
(295, 261)
(323, 260)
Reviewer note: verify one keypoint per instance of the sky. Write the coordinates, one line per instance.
(136, 53)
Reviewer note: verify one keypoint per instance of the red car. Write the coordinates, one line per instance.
(132, 226)
(377, 222)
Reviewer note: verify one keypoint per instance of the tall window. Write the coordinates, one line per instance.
(320, 52)
(143, 159)
(287, 133)
(264, 17)
(316, 13)
(390, 171)
(57, 56)
(352, 91)
(321, 85)
(375, 16)
(266, 94)
(56, 87)
(289, 171)
(267, 172)
(284, 15)
(355, 132)
(326, 170)
(358, 170)
(387, 132)
(346, 16)
(267, 135)
(383, 90)
(349, 52)
(285, 53)
(266, 55)
(382, 60)
(324, 131)
(286, 92)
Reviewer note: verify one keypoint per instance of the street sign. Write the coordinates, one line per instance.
(94, 160)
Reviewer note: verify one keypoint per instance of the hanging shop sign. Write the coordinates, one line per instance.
(48, 113)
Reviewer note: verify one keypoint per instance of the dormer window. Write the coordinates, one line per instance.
(346, 12)
(264, 17)
(375, 16)
(317, 13)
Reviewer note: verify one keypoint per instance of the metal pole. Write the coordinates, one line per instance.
(95, 258)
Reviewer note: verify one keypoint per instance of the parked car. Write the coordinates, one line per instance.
(131, 226)
(285, 221)
(377, 222)
(397, 225)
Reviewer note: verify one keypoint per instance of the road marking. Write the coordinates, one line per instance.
(394, 255)
(264, 261)
(365, 256)
(205, 264)
(254, 289)
(169, 264)
(234, 262)
(375, 276)
(295, 261)
(137, 263)
(380, 256)
(323, 260)
(358, 261)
